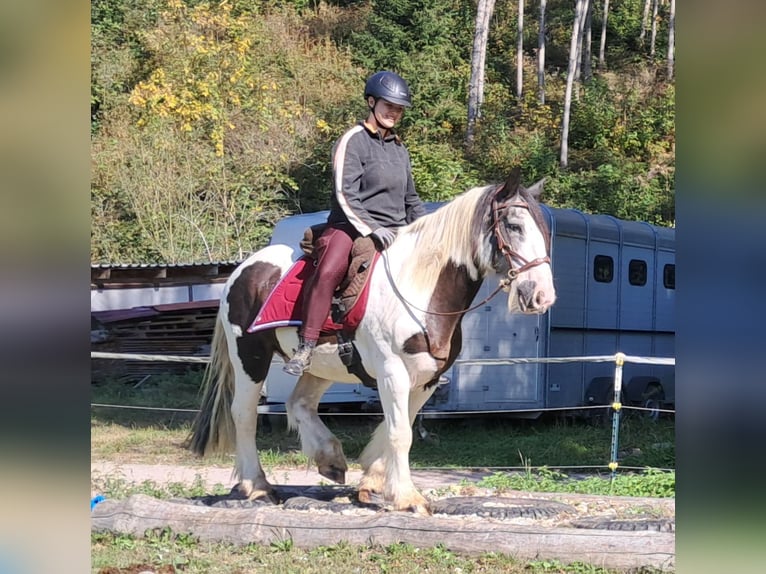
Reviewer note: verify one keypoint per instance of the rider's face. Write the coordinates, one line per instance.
(387, 114)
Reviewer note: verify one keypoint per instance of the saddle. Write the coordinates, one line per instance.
(282, 307)
(363, 254)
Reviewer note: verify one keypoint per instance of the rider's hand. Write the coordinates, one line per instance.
(384, 237)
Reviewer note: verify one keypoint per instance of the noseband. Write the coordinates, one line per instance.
(505, 247)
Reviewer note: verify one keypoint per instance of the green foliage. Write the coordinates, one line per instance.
(212, 120)
(197, 158)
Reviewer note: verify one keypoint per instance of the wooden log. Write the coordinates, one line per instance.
(467, 535)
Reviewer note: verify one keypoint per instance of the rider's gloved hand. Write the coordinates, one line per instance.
(383, 237)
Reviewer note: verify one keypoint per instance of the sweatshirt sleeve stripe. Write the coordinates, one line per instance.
(339, 162)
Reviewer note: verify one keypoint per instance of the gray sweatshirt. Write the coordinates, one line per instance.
(373, 181)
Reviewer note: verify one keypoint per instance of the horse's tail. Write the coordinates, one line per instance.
(213, 428)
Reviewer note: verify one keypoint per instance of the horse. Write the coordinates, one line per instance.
(408, 336)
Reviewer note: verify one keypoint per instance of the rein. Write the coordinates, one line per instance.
(502, 245)
(504, 284)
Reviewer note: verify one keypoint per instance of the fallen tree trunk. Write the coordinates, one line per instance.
(470, 535)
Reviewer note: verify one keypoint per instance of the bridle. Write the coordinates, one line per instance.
(502, 245)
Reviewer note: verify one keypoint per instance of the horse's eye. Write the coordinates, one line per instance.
(515, 228)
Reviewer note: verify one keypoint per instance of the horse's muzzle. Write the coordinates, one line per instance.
(533, 299)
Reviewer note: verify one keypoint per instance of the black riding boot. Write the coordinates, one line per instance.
(301, 359)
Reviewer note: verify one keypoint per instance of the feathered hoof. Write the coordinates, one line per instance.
(416, 503)
(366, 496)
(247, 491)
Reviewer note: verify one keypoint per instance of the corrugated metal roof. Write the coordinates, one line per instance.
(161, 265)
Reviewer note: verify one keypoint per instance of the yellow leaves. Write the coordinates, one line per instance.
(217, 66)
(323, 126)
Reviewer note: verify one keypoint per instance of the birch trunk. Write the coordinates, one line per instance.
(541, 55)
(587, 41)
(520, 53)
(655, 11)
(602, 45)
(579, 9)
(671, 38)
(578, 67)
(644, 22)
(478, 56)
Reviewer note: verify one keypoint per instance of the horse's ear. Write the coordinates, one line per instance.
(513, 181)
(537, 189)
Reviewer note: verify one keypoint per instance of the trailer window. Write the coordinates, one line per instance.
(669, 276)
(637, 272)
(603, 268)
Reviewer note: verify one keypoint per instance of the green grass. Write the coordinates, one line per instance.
(118, 488)
(155, 437)
(650, 483)
(160, 548)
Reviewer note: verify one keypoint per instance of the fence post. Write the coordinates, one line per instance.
(619, 361)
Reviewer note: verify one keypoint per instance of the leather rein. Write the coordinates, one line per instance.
(502, 245)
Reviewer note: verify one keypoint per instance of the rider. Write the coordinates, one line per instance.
(374, 194)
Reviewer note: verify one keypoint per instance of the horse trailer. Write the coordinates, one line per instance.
(615, 284)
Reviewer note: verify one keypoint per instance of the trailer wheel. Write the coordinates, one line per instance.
(653, 398)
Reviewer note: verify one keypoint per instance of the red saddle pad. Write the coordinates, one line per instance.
(282, 307)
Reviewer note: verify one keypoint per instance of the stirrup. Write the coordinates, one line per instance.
(295, 367)
(300, 362)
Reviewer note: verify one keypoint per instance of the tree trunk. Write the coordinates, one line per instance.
(671, 38)
(587, 40)
(655, 10)
(541, 55)
(478, 56)
(579, 9)
(602, 46)
(520, 53)
(644, 22)
(578, 67)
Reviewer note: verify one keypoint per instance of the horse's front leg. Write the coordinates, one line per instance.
(373, 458)
(317, 442)
(244, 411)
(398, 488)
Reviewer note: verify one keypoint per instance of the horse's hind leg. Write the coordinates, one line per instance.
(244, 411)
(317, 442)
(373, 457)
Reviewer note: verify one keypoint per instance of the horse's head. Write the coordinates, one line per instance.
(521, 244)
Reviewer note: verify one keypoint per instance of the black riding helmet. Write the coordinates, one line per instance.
(389, 86)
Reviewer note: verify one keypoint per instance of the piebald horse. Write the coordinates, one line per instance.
(409, 335)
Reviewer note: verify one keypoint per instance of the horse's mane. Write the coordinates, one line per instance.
(452, 232)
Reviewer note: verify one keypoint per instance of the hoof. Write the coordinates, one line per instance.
(334, 473)
(365, 496)
(240, 491)
(421, 509)
(416, 504)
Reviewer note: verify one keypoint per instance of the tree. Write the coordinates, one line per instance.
(541, 55)
(644, 22)
(655, 12)
(580, 36)
(585, 60)
(573, 51)
(478, 57)
(520, 53)
(671, 38)
(602, 45)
